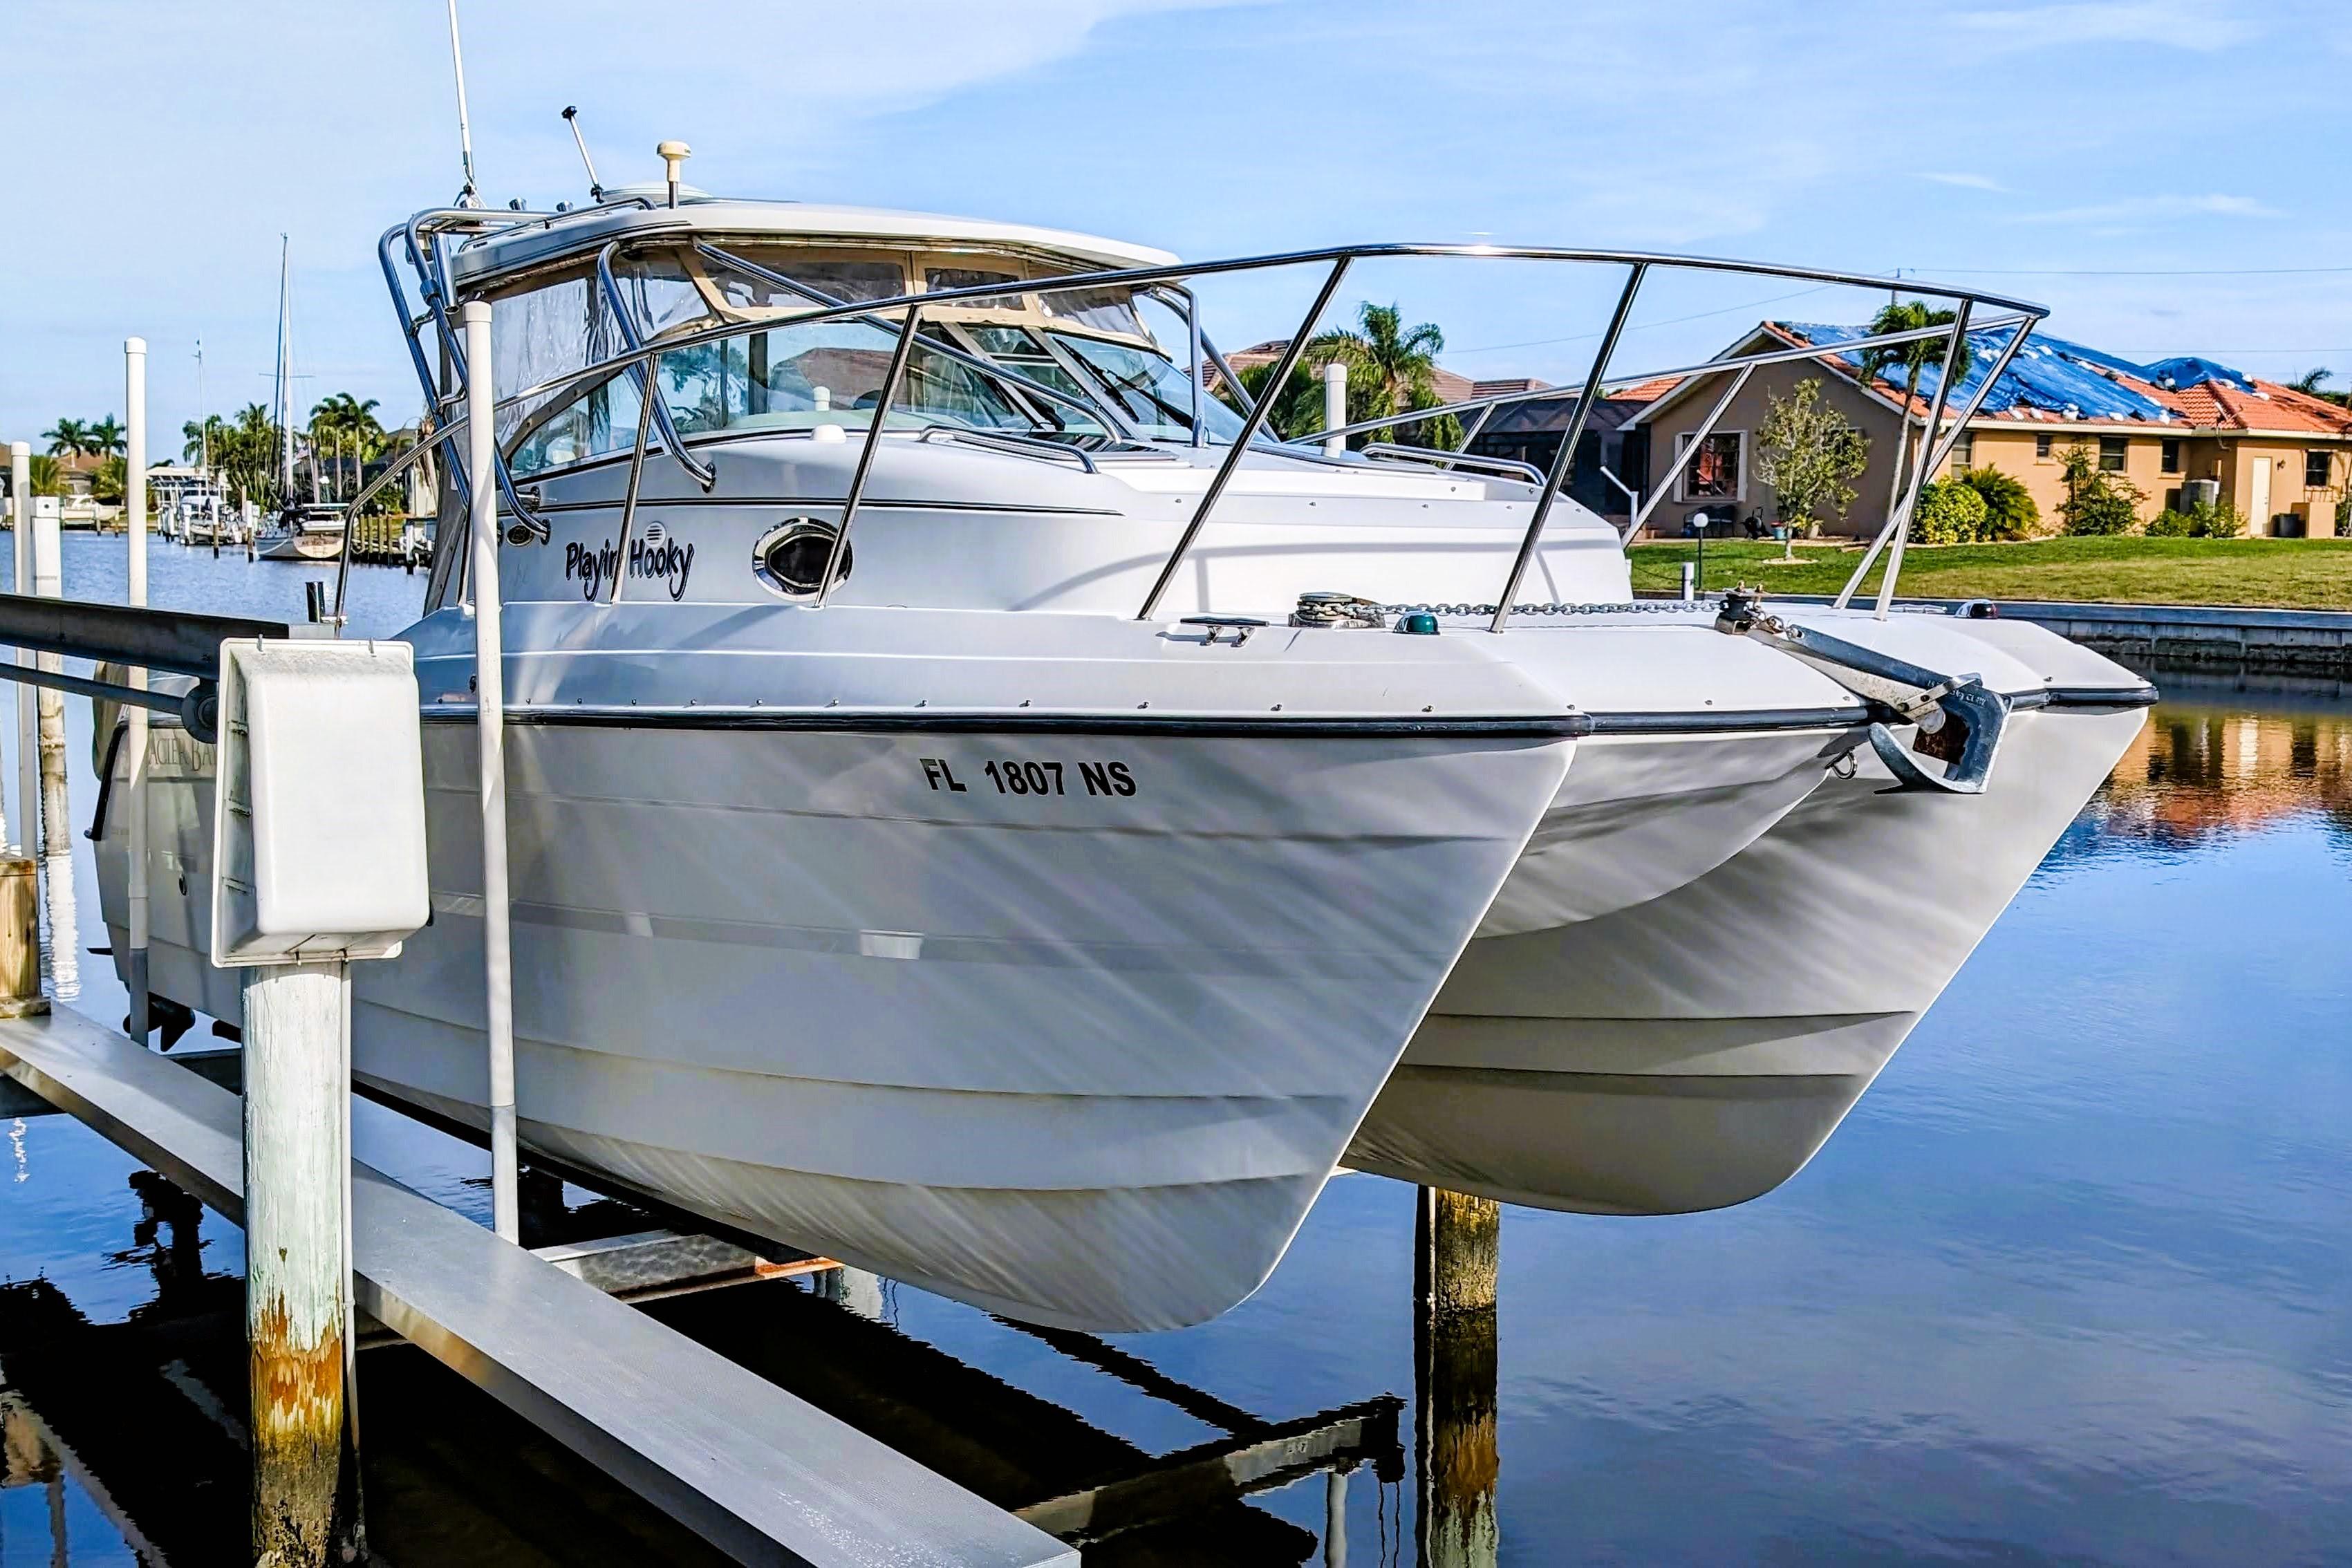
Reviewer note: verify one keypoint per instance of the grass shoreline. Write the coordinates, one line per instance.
(2253, 574)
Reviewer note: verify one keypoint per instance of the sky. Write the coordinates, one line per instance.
(2160, 172)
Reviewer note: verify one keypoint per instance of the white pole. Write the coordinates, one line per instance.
(1335, 407)
(134, 501)
(489, 687)
(57, 826)
(28, 778)
(1335, 1518)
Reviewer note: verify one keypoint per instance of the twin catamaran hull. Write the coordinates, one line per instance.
(1694, 1049)
(1085, 1055)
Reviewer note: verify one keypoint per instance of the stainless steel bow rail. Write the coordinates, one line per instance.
(429, 238)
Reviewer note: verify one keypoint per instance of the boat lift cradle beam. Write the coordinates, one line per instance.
(176, 642)
(760, 1473)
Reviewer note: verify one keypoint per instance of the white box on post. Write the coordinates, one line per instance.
(319, 839)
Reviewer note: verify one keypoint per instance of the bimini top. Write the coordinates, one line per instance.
(532, 240)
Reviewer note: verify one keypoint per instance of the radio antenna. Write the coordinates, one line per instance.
(572, 118)
(470, 197)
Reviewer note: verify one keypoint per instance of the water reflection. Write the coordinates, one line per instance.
(2208, 763)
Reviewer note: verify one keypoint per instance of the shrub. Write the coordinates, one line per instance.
(2218, 521)
(1951, 511)
(2009, 511)
(2097, 502)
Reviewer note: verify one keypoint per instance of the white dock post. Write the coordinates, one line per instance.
(1690, 583)
(134, 501)
(28, 779)
(1335, 406)
(294, 1167)
(489, 699)
(61, 945)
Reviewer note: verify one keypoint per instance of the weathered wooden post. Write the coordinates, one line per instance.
(20, 939)
(134, 739)
(1457, 1252)
(28, 784)
(61, 945)
(490, 713)
(318, 859)
(295, 1326)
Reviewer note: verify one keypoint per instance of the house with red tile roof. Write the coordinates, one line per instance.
(2282, 459)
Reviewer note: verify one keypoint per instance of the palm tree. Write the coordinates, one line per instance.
(1397, 367)
(1297, 412)
(2310, 381)
(1915, 357)
(199, 436)
(106, 437)
(343, 423)
(47, 480)
(68, 439)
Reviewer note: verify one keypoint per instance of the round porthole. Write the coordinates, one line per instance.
(789, 558)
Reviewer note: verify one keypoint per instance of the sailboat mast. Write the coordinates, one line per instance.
(285, 371)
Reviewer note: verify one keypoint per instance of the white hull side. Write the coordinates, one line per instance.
(1693, 1051)
(1083, 1060)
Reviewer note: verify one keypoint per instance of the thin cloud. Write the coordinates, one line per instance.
(2152, 209)
(1966, 181)
(2171, 23)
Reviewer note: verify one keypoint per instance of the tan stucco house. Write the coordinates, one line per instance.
(2281, 457)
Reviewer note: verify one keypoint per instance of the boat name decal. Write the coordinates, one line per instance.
(1014, 777)
(664, 561)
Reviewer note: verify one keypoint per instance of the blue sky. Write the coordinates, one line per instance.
(2091, 154)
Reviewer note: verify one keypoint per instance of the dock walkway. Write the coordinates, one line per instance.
(763, 1475)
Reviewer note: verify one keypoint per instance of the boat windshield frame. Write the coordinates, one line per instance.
(2015, 318)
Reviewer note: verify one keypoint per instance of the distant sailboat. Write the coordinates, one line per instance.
(312, 533)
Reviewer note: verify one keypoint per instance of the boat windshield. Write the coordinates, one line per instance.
(1156, 395)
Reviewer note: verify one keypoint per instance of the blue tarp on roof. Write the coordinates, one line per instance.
(2189, 370)
(2048, 374)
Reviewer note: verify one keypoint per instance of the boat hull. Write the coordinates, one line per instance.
(1083, 1057)
(1693, 1050)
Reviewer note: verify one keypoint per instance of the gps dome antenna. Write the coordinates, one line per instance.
(470, 197)
(572, 118)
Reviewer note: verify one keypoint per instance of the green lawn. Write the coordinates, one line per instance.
(2292, 573)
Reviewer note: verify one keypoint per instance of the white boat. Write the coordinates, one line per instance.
(312, 533)
(904, 893)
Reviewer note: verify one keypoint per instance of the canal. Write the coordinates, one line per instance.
(2069, 1284)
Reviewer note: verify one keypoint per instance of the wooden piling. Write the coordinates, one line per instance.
(20, 939)
(296, 1164)
(1457, 1257)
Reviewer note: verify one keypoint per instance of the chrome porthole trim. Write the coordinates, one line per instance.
(789, 559)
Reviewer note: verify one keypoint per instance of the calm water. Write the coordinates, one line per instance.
(2070, 1285)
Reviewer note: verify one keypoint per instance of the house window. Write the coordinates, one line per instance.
(2171, 455)
(2041, 446)
(1711, 473)
(1964, 450)
(2315, 471)
(2111, 454)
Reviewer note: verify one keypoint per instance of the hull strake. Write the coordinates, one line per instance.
(1693, 1051)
